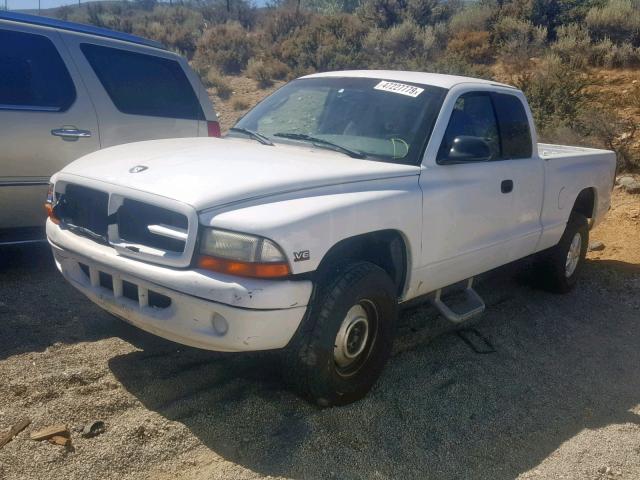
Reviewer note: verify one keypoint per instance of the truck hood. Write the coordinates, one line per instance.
(208, 172)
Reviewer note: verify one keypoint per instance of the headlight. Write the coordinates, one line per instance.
(241, 254)
(48, 205)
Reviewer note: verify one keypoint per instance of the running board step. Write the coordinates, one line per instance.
(470, 307)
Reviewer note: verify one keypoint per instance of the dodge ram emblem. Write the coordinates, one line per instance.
(137, 169)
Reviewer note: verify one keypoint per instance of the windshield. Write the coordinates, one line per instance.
(367, 117)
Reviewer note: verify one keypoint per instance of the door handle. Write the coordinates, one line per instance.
(70, 133)
(506, 186)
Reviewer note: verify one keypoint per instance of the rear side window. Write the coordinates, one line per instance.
(141, 84)
(515, 134)
(32, 74)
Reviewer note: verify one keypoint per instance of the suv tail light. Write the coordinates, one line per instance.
(213, 129)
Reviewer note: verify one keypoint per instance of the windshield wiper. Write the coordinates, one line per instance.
(255, 135)
(321, 141)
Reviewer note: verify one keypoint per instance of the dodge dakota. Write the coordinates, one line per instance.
(334, 201)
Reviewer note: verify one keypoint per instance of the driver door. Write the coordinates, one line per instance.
(466, 208)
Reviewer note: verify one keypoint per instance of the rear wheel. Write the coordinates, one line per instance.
(559, 267)
(347, 336)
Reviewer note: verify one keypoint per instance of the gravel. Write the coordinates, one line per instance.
(559, 397)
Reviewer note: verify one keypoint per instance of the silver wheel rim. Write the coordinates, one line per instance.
(573, 255)
(353, 337)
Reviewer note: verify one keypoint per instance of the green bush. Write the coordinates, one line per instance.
(618, 20)
(473, 47)
(518, 40)
(280, 24)
(573, 45)
(430, 12)
(213, 79)
(556, 93)
(607, 54)
(215, 12)
(381, 13)
(228, 47)
(257, 70)
(474, 17)
(239, 104)
(176, 27)
(328, 43)
(405, 46)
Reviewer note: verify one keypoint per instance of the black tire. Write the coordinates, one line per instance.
(551, 269)
(310, 361)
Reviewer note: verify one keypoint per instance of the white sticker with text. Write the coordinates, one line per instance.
(401, 88)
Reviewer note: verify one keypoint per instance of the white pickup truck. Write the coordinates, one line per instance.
(334, 201)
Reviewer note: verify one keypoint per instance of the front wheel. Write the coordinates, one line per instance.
(559, 266)
(347, 336)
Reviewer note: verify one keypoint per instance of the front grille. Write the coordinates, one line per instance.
(84, 208)
(134, 219)
(85, 211)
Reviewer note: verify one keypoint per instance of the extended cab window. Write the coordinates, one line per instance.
(32, 74)
(515, 133)
(473, 116)
(141, 84)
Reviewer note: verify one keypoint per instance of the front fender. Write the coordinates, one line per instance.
(306, 224)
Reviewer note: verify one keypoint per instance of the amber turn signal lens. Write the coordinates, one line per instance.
(49, 209)
(244, 269)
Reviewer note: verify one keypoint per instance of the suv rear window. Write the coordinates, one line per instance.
(141, 84)
(32, 74)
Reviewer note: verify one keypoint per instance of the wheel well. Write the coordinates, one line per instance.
(585, 202)
(384, 248)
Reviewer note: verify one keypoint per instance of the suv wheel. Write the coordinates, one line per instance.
(346, 338)
(560, 266)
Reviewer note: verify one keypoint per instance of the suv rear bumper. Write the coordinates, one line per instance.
(149, 297)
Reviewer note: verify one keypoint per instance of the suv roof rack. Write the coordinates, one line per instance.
(78, 27)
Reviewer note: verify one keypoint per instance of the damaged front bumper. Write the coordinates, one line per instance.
(193, 307)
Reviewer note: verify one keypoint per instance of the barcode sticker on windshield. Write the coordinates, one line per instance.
(401, 88)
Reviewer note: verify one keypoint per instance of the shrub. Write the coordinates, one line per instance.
(473, 47)
(277, 69)
(457, 65)
(618, 20)
(406, 45)
(556, 93)
(215, 12)
(430, 12)
(607, 54)
(239, 104)
(328, 43)
(518, 40)
(552, 14)
(283, 23)
(381, 13)
(474, 17)
(605, 128)
(176, 27)
(260, 73)
(229, 47)
(573, 45)
(214, 79)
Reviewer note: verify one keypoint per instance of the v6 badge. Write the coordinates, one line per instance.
(301, 256)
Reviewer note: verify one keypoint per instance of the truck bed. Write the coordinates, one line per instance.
(548, 151)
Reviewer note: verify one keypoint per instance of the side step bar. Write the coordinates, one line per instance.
(472, 306)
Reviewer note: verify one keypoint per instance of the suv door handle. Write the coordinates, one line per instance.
(70, 133)
(506, 186)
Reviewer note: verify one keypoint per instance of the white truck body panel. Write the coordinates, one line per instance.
(454, 220)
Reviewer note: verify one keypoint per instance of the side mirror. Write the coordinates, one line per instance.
(468, 149)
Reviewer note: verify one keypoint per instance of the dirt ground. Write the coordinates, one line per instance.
(558, 398)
